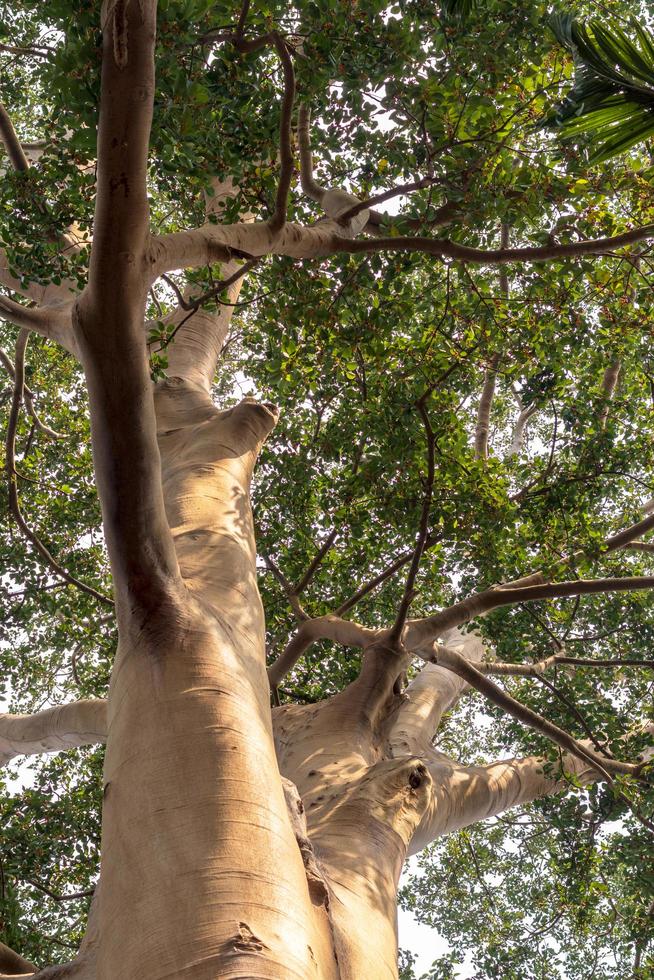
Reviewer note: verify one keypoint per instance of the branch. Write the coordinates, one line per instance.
(415, 185)
(539, 668)
(387, 573)
(444, 248)
(88, 893)
(421, 631)
(519, 430)
(407, 597)
(324, 628)
(278, 219)
(29, 397)
(53, 730)
(464, 795)
(459, 665)
(490, 378)
(109, 322)
(644, 546)
(214, 243)
(608, 386)
(485, 404)
(10, 466)
(307, 578)
(432, 692)
(53, 322)
(13, 964)
(290, 593)
(307, 181)
(11, 142)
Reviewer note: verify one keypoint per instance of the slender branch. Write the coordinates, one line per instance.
(10, 466)
(407, 597)
(537, 669)
(278, 219)
(210, 294)
(379, 579)
(325, 627)
(307, 578)
(29, 396)
(29, 50)
(88, 893)
(289, 591)
(422, 630)
(455, 662)
(444, 248)
(644, 546)
(307, 181)
(415, 185)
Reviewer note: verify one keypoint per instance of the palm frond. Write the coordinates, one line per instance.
(612, 97)
(457, 9)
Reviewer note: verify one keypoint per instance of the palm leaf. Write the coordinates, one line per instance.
(457, 9)
(612, 97)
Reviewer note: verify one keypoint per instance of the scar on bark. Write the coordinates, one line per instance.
(246, 941)
(318, 891)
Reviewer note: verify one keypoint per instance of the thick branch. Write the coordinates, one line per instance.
(13, 964)
(463, 795)
(53, 730)
(432, 692)
(212, 243)
(11, 142)
(109, 322)
(53, 322)
(484, 410)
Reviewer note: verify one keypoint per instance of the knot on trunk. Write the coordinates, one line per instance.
(394, 793)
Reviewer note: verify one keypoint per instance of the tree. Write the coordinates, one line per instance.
(461, 452)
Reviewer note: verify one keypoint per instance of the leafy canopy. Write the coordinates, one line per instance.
(346, 346)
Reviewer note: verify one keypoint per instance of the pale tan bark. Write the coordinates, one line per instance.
(212, 863)
(215, 243)
(609, 384)
(196, 347)
(464, 795)
(66, 726)
(432, 692)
